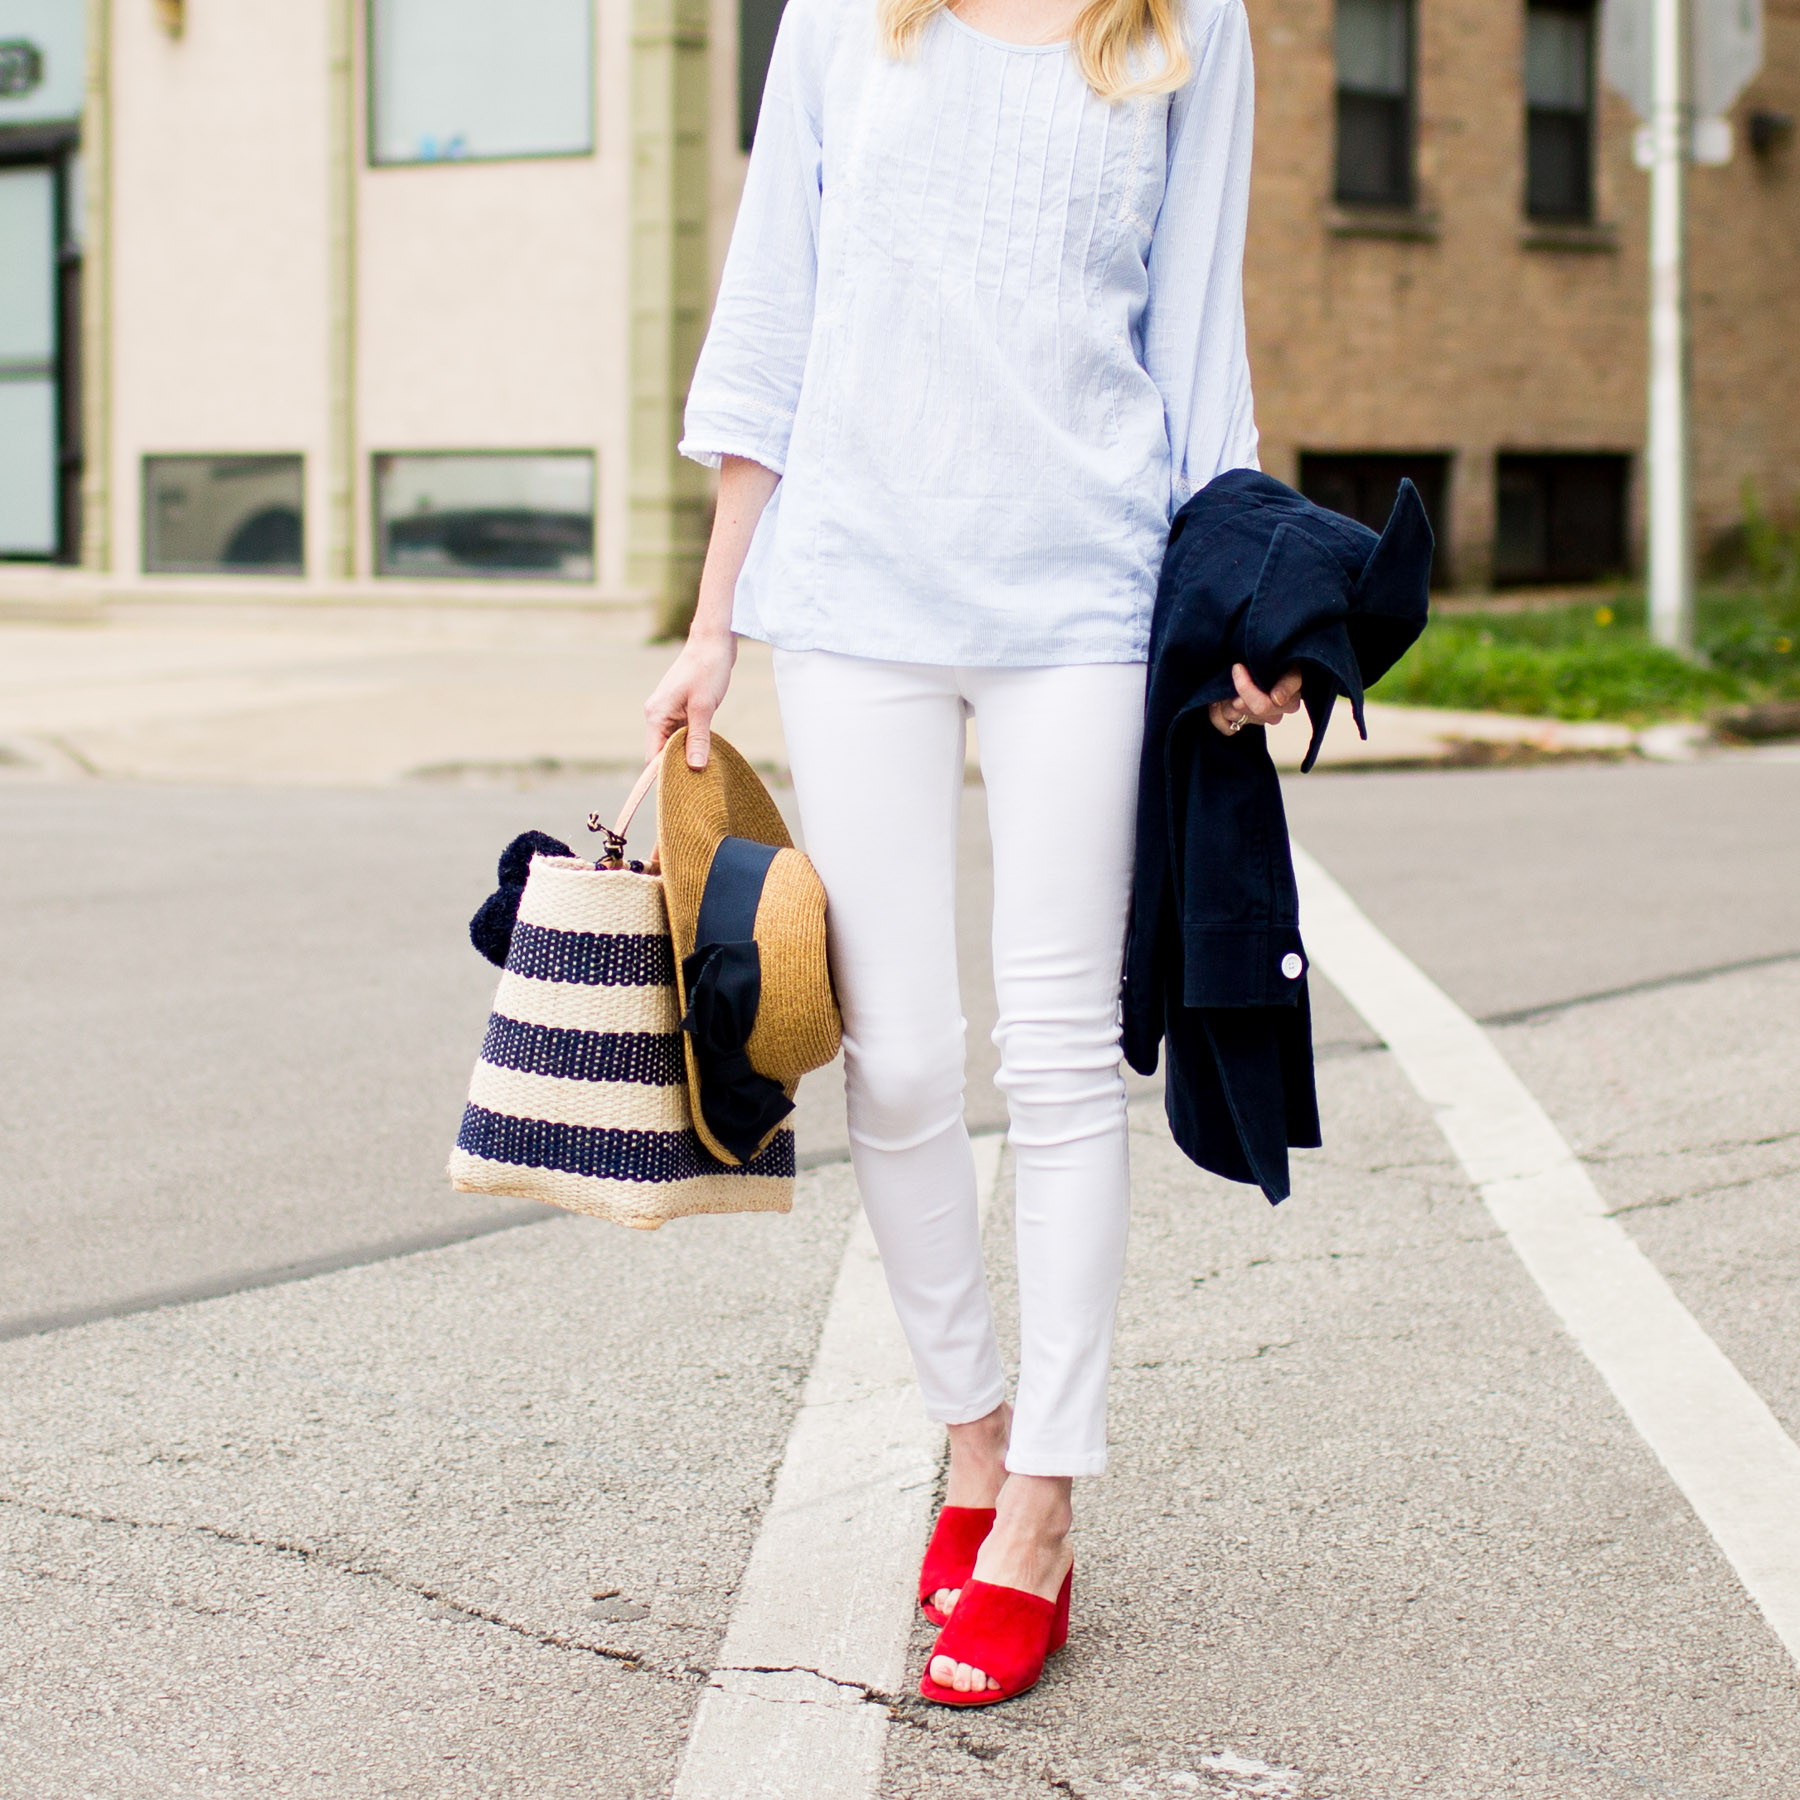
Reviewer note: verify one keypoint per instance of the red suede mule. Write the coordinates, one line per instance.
(1003, 1631)
(950, 1556)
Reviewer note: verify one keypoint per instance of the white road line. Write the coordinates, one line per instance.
(823, 1614)
(1719, 1442)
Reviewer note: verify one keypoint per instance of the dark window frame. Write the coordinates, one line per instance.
(1549, 130)
(1551, 481)
(55, 147)
(1355, 111)
(1367, 480)
(375, 161)
(758, 21)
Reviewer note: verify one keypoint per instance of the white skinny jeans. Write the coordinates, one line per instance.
(877, 755)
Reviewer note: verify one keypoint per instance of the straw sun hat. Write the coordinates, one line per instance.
(747, 915)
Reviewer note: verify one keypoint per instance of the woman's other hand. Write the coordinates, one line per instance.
(1252, 706)
(689, 694)
(695, 685)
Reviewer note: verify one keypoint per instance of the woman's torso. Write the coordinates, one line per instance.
(979, 462)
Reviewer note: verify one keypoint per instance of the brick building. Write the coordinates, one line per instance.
(1447, 274)
(356, 297)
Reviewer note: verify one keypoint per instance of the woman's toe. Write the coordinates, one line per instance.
(945, 1598)
(961, 1678)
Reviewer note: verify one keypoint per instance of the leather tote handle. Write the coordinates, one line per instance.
(614, 854)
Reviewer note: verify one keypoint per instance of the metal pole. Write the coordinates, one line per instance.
(1671, 543)
(340, 213)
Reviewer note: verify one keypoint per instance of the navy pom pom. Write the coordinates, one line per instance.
(491, 929)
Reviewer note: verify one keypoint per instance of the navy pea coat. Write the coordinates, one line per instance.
(1214, 965)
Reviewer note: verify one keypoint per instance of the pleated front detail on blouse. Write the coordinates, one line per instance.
(989, 328)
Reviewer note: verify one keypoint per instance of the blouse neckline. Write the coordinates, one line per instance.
(999, 43)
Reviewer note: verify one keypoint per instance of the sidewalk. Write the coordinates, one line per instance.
(342, 696)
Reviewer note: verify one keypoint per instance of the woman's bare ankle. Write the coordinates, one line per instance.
(1029, 1545)
(978, 1459)
(1039, 1506)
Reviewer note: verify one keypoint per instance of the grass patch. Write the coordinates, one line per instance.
(1594, 660)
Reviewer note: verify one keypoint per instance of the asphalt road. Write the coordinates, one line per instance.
(240, 1023)
(470, 1520)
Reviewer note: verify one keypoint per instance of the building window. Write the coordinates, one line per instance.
(215, 515)
(1374, 102)
(42, 77)
(505, 516)
(1559, 109)
(1560, 518)
(758, 21)
(1364, 487)
(456, 79)
(28, 362)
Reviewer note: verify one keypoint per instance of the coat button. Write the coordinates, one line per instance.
(1292, 966)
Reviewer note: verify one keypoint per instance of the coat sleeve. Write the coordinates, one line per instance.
(1194, 344)
(746, 385)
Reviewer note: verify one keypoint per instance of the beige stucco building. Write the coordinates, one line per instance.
(383, 297)
(354, 298)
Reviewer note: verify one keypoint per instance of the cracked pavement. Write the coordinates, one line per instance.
(397, 1490)
(469, 1522)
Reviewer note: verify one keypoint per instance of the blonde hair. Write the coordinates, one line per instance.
(1111, 40)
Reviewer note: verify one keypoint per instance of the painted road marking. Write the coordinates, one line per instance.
(819, 1629)
(1719, 1442)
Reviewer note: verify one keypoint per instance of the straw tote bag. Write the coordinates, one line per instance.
(580, 1097)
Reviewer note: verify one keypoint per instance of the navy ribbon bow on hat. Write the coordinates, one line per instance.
(723, 980)
(724, 986)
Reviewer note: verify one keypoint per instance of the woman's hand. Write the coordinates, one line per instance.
(690, 694)
(695, 685)
(1252, 706)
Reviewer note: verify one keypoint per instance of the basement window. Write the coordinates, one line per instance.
(1364, 486)
(462, 80)
(1560, 518)
(509, 516)
(1375, 102)
(1559, 110)
(223, 515)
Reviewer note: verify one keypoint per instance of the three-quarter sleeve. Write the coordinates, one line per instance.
(1194, 345)
(746, 384)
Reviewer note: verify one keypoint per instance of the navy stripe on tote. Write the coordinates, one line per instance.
(649, 1156)
(649, 1058)
(591, 959)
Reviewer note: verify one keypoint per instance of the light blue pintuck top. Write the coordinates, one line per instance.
(990, 331)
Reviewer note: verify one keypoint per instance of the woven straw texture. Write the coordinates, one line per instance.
(797, 1024)
(580, 1097)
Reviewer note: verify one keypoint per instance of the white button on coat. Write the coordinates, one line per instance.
(1291, 966)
